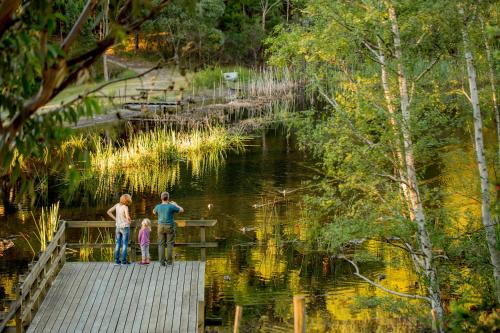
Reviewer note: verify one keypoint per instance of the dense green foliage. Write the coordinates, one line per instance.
(196, 33)
(334, 45)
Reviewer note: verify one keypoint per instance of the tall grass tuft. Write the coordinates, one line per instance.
(106, 236)
(163, 145)
(46, 225)
(85, 253)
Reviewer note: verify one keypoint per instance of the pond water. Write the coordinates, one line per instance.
(255, 265)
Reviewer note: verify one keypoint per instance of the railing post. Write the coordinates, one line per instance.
(237, 318)
(203, 241)
(17, 318)
(201, 317)
(62, 241)
(299, 314)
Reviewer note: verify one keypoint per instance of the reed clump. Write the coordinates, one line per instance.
(163, 145)
(85, 253)
(46, 225)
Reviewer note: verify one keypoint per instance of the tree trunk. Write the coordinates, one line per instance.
(105, 22)
(491, 72)
(389, 99)
(481, 161)
(136, 42)
(416, 203)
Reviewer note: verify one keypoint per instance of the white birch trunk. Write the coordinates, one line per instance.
(389, 99)
(489, 228)
(416, 203)
(491, 73)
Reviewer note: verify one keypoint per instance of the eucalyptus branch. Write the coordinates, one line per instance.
(373, 283)
(7, 10)
(77, 27)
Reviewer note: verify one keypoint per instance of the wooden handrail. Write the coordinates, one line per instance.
(42, 261)
(112, 245)
(23, 305)
(136, 223)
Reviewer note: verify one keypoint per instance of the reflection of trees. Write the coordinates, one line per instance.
(272, 274)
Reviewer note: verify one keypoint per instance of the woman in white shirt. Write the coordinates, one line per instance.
(122, 219)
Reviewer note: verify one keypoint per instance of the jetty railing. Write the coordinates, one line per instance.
(134, 245)
(34, 286)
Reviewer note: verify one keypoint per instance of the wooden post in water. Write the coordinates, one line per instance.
(299, 314)
(237, 318)
(62, 241)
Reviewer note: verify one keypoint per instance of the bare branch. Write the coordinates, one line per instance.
(77, 27)
(393, 178)
(428, 68)
(390, 291)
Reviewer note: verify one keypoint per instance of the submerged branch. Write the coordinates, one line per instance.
(373, 283)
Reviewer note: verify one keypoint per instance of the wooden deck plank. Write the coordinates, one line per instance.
(176, 319)
(153, 319)
(93, 294)
(55, 309)
(185, 297)
(193, 299)
(162, 310)
(171, 297)
(98, 298)
(94, 322)
(140, 282)
(85, 298)
(121, 308)
(40, 318)
(150, 298)
(70, 294)
(88, 269)
(143, 298)
(103, 318)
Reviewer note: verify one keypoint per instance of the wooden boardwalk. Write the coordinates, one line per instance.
(101, 297)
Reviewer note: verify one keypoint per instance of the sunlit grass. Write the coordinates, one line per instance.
(106, 236)
(46, 225)
(85, 253)
(164, 145)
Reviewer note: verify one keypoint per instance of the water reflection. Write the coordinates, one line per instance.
(257, 263)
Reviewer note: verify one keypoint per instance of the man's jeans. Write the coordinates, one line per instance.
(166, 234)
(122, 236)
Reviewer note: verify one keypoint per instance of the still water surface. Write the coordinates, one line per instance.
(259, 262)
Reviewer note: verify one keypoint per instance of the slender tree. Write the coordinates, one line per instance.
(489, 227)
(415, 199)
(491, 76)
